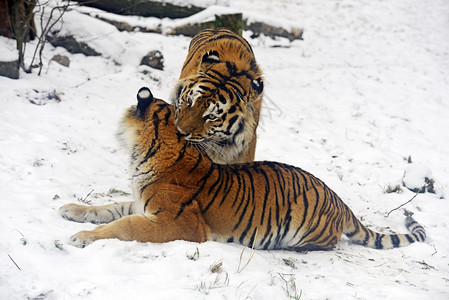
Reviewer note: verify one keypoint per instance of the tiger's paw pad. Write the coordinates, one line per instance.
(82, 239)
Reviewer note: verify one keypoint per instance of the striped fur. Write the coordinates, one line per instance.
(219, 95)
(182, 194)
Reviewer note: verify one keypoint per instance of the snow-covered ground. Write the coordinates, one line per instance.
(366, 89)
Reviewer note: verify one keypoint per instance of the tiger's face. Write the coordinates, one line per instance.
(202, 111)
(214, 107)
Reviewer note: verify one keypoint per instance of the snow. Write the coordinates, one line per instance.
(8, 51)
(366, 88)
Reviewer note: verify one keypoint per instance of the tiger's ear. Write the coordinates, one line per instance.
(211, 57)
(144, 98)
(257, 85)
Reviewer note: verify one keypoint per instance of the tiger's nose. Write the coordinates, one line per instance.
(181, 131)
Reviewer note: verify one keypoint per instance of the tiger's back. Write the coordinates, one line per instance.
(271, 205)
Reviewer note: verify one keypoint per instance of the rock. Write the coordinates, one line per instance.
(9, 69)
(72, 45)
(154, 59)
(62, 60)
(236, 22)
(259, 28)
(187, 30)
(144, 8)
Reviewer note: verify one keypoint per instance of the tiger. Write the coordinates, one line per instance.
(181, 194)
(218, 96)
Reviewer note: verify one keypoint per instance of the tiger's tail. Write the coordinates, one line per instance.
(359, 234)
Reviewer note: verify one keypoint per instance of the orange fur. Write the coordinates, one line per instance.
(181, 194)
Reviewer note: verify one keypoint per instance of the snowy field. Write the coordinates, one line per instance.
(366, 89)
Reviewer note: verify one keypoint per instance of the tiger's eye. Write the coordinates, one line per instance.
(211, 117)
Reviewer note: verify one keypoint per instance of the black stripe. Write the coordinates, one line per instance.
(319, 237)
(352, 219)
(143, 188)
(219, 189)
(252, 192)
(146, 203)
(222, 98)
(212, 187)
(240, 128)
(167, 116)
(268, 230)
(288, 218)
(304, 178)
(231, 37)
(277, 205)
(367, 234)
(197, 163)
(242, 198)
(395, 240)
(266, 196)
(268, 243)
(242, 215)
(154, 148)
(253, 236)
(232, 70)
(378, 241)
(248, 227)
(228, 186)
(231, 123)
(295, 185)
(422, 235)
(200, 189)
(181, 154)
(219, 76)
(313, 216)
(278, 237)
(239, 187)
(280, 184)
(306, 208)
(409, 238)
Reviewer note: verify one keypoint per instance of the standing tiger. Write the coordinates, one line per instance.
(182, 194)
(218, 96)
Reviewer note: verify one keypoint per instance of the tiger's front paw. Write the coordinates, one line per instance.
(85, 214)
(83, 238)
(74, 212)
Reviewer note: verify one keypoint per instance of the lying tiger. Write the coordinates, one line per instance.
(182, 194)
(218, 96)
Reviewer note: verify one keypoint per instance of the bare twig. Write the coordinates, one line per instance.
(435, 250)
(407, 201)
(14, 262)
(45, 30)
(85, 201)
(23, 24)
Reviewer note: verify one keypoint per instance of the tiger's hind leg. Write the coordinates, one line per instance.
(159, 227)
(97, 214)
